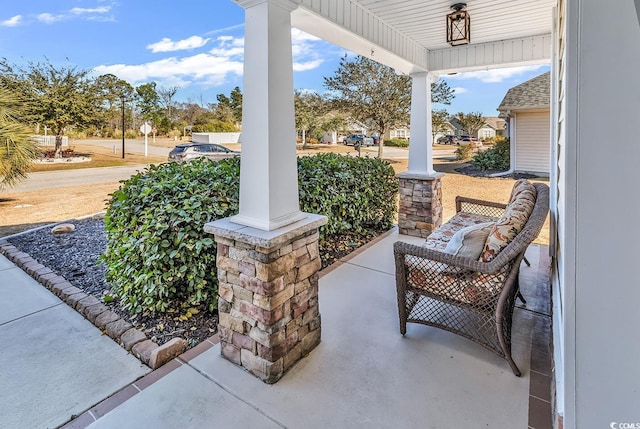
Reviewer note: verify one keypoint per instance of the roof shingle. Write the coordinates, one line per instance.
(532, 94)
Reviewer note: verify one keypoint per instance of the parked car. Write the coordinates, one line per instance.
(448, 139)
(188, 151)
(467, 140)
(359, 139)
(376, 140)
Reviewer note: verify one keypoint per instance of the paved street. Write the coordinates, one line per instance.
(133, 146)
(83, 176)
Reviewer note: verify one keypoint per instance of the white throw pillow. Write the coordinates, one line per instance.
(469, 242)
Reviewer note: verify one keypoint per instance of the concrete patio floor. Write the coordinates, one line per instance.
(363, 373)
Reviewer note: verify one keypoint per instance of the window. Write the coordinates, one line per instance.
(401, 134)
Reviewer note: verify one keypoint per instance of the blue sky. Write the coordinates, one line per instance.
(198, 48)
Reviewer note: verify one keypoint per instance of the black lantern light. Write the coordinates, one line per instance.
(458, 25)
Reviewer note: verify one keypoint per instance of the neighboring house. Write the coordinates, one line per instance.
(456, 127)
(494, 127)
(527, 108)
(399, 133)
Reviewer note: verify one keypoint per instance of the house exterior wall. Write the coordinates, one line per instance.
(532, 142)
(402, 133)
(485, 133)
(597, 203)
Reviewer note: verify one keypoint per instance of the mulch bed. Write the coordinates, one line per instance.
(470, 170)
(76, 257)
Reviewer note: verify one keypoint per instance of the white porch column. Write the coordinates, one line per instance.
(420, 149)
(268, 173)
(420, 188)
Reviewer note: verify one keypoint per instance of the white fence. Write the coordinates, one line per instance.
(218, 138)
(50, 140)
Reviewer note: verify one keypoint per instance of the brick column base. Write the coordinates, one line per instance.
(420, 209)
(268, 287)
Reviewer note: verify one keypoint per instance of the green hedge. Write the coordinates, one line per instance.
(397, 142)
(494, 158)
(157, 252)
(356, 194)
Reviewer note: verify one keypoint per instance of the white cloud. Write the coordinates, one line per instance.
(496, 75)
(203, 68)
(213, 67)
(460, 90)
(82, 10)
(168, 45)
(14, 21)
(299, 36)
(306, 50)
(92, 14)
(308, 65)
(48, 18)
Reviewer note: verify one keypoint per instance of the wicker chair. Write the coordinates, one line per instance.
(470, 298)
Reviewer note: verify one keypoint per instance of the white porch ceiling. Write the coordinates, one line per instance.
(410, 34)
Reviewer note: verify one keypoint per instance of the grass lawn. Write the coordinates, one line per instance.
(21, 211)
(100, 157)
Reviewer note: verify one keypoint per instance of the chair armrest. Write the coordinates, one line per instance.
(482, 207)
(441, 260)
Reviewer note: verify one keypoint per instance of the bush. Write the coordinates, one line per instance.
(157, 252)
(397, 142)
(214, 126)
(356, 194)
(174, 133)
(77, 134)
(130, 134)
(494, 158)
(463, 153)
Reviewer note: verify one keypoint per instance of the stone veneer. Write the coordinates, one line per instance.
(420, 209)
(268, 286)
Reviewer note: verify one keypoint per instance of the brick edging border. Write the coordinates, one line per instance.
(122, 332)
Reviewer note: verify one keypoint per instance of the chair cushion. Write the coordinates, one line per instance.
(511, 223)
(439, 238)
(469, 241)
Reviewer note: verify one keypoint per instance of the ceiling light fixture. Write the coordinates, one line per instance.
(458, 25)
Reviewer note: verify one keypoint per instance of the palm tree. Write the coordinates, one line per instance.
(17, 147)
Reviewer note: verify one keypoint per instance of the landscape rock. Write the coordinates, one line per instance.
(63, 228)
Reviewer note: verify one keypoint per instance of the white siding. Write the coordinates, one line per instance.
(597, 190)
(532, 142)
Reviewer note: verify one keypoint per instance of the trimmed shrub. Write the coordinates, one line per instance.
(397, 142)
(463, 153)
(494, 158)
(157, 252)
(356, 194)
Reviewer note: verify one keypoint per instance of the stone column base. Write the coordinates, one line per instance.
(420, 210)
(268, 287)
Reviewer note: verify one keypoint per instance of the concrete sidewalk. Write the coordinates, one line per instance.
(54, 364)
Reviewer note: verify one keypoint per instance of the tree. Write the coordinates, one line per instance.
(166, 98)
(439, 122)
(113, 89)
(471, 122)
(235, 102)
(441, 93)
(17, 148)
(148, 102)
(373, 92)
(314, 115)
(58, 98)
